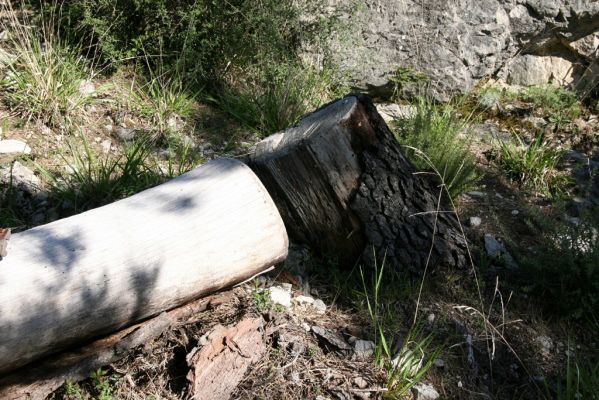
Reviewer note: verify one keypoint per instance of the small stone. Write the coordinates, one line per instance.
(319, 306)
(515, 212)
(545, 343)
(363, 348)
(22, 177)
(294, 376)
(304, 299)
(125, 134)
(108, 128)
(460, 384)
(439, 363)
(496, 249)
(475, 221)
(106, 144)
(423, 391)
(306, 326)
(279, 295)
(430, 318)
(11, 147)
(87, 88)
(475, 194)
(498, 195)
(361, 382)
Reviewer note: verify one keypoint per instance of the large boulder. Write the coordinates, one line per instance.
(458, 43)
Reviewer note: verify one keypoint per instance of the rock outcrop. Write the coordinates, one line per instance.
(459, 43)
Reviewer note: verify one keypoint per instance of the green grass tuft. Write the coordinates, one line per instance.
(433, 137)
(533, 166)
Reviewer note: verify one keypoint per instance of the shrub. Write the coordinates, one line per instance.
(45, 75)
(533, 166)
(276, 98)
(206, 38)
(563, 268)
(553, 100)
(433, 138)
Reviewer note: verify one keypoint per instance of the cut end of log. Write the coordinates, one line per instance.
(344, 187)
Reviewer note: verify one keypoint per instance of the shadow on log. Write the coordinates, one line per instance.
(344, 187)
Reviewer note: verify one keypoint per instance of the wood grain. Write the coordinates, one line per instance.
(97, 272)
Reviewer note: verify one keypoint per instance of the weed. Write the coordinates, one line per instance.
(278, 98)
(406, 76)
(45, 77)
(489, 97)
(102, 385)
(261, 300)
(96, 181)
(406, 367)
(163, 99)
(553, 100)
(533, 166)
(436, 132)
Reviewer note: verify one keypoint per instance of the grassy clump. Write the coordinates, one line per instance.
(562, 270)
(552, 100)
(434, 139)
(533, 166)
(95, 181)
(580, 380)
(45, 74)
(277, 97)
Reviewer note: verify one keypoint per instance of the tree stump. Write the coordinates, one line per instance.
(344, 187)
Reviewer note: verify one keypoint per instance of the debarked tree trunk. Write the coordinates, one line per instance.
(344, 187)
(89, 275)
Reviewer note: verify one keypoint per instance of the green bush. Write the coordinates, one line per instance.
(206, 38)
(277, 97)
(562, 270)
(45, 74)
(433, 138)
(533, 166)
(559, 102)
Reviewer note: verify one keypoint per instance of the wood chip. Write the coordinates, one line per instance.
(219, 366)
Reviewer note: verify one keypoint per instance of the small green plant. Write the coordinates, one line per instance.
(553, 100)
(580, 380)
(405, 76)
(277, 98)
(409, 365)
(533, 166)
(73, 390)
(46, 76)
(102, 385)
(261, 300)
(163, 99)
(489, 97)
(562, 269)
(434, 135)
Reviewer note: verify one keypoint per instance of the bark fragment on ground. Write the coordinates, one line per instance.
(219, 365)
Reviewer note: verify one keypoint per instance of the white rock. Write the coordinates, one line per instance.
(106, 144)
(280, 295)
(393, 111)
(475, 193)
(528, 70)
(319, 306)
(475, 221)
(363, 348)
(423, 391)
(304, 299)
(22, 177)
(515, 212)
(87, 88)
(439, 363)
(13, 147)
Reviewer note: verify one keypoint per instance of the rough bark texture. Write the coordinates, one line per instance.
(343, 186)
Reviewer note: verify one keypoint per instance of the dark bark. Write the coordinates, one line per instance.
(344, 187)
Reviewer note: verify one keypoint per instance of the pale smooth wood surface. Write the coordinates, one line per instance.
(94, 273)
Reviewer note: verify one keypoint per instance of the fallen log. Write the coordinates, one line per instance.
(95, 273)
(344, 187)
(38, 380)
